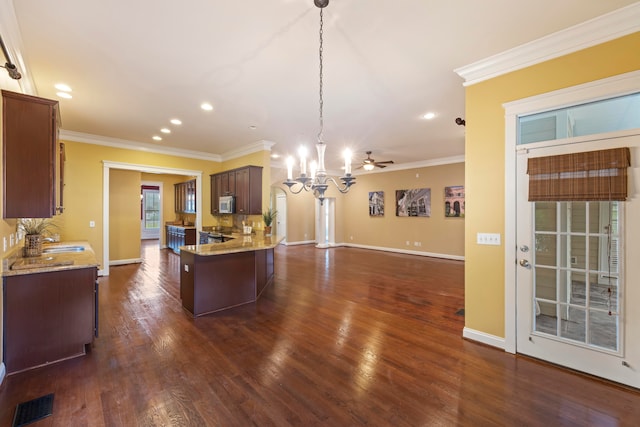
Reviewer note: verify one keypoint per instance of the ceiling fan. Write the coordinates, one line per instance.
(369, 163)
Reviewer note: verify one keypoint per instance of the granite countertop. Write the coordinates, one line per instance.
(240, 243)
(16, 264)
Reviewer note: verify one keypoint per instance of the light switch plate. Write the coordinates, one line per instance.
(488, 239)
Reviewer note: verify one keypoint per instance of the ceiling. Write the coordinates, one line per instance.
(134, 65)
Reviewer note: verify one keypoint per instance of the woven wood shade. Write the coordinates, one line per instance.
(593, 175)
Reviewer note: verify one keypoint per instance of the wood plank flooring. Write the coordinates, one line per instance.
(344, 337)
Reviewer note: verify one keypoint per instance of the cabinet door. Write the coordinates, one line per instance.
(48, 317)
(242, 190)
(29, 135)
(224, 184)
(216, 192)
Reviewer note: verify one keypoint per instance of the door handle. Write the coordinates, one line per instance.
(524, 263)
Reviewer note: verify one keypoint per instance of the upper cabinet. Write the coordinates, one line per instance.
(185, 197)
(244, 183)
(32, 161)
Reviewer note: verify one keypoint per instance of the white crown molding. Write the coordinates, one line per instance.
(262, 145)
(69, 135)
(13, 43)
(596, 31)
(396, 167)
(88, 138)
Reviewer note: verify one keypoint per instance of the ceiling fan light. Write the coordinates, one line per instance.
(368, 166)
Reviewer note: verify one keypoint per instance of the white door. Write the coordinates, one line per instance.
(151, 212)
(281, 218)
(577, 307)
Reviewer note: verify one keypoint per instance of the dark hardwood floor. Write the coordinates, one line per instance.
(344, 337)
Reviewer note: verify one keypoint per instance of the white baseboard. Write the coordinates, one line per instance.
(484, 338)
(126, 261)
(302, 242)
(3, 372)
(404, 251)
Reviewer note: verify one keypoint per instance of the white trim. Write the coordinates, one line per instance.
(610, 26)
(13, 42)
(126, 261)
(391, 168)
(88, 138)
(125, 144)
(107, 166)
(301, 242)
(600, 89)
(488, 339)
(3, 372)
(404, 251)
(263, 145)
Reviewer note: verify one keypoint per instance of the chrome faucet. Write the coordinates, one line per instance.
(48, 239)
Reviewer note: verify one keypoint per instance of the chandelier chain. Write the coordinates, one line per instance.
(321, 102)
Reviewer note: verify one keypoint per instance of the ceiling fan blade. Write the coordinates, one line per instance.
(385, 162)
(379, 165)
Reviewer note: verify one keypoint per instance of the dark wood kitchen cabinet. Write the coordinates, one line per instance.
(244, 183)
(32, 157)
(185, 197)
(177, 236)
(48, 317)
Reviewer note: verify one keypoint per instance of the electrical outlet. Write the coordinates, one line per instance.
(488, 239)
(408, 243)
(92, 224)
(351, 237)
(417, 243)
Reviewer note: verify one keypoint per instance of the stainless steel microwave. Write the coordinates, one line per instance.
(226, 204)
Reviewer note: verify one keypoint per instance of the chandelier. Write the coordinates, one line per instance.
(317, 180)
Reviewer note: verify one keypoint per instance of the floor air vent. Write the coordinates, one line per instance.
(460, 312)
(33, 410)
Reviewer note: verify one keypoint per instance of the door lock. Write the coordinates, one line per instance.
(524, 263)
(524, 248)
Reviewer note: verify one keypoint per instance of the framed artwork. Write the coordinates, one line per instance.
(454, 201)
(415, 202)
(376, 203)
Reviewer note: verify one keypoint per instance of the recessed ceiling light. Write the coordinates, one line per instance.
(63, 87)
(165, 130)
(206, 106)
(253, 127)
(157, 138)
(176, 122)
(64, 95)
(275, 155)
(429, 116)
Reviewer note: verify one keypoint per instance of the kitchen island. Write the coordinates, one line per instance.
(218, 276)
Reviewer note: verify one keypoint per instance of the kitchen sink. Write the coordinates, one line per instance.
(62, 248)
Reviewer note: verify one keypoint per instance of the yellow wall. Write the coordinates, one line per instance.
(83, 186)
(124, 215)
(484, 152)
(436, 234)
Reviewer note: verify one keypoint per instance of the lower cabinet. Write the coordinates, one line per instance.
(177, 236)
(48, 317)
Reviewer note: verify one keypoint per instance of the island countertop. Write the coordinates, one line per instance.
(16, 264)
(239, 243)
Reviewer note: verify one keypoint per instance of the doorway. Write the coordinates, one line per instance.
(281, 218)
(150, 210)
(563, 323)
(575, 278)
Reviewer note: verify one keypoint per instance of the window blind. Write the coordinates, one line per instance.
(592, 175)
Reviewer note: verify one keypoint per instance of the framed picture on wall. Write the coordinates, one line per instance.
(376, 203)
(416, 202)
(454, 201)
